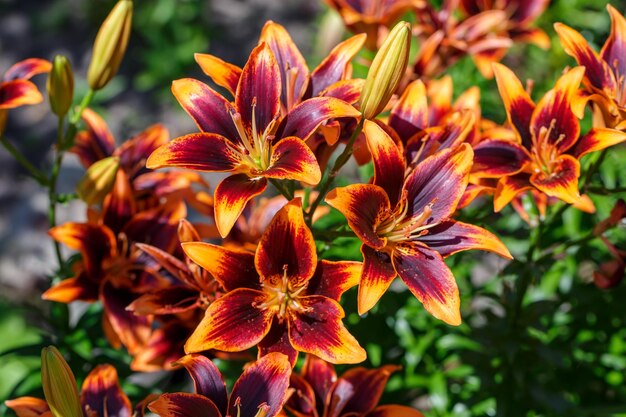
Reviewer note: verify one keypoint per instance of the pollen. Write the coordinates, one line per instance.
(282, 297)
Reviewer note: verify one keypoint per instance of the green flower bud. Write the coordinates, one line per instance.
(387, 69)
(98, 180)
(59, 384)
(60, 86)
(110, 45)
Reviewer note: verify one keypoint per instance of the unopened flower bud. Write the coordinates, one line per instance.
(59, 384)
(98, 180)
(60, 86)
(387, 69)
(110, 45)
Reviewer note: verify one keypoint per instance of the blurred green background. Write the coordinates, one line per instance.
(565, 356)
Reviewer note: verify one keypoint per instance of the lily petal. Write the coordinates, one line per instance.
(101, 394)
(378, 274)
(222, 329)
(277, 340)
(438, 182)
(96, 142)
(18, 93)
(77, 288)
(597, 71)
(597, 139)
(615, 47)
(258, 93)
(182, 404)
(132, 330)
(518, 104)
(171, 300)
(231, 197)
(208, 109)
(562, 182)
(29, 407)
(430, 280)
(410, 113)
(292, 159)
(207, 379)
(232, 268)
(363, 206)
(318, 330)
(508, 188)
(394, 410)
(95, 243)
(450, 237)
(221, 72)
(273, 370)
(27, 69)
(293, 68)
(368, 385)
(554, 122)
(320, 375)
(334, 67)
(133, 152)
(287, 247)
(332, 279)
(200, 151)
(304, 119)
(388, 160)
(494, 158)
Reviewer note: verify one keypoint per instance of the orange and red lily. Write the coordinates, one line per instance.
(372, 17)
(547, 147)
(425, 120)
(100, 396)
(406, 227)
(251, 138)
(111, 269)
(604, 80)
(280, 298)
(15, 88)
(261, 390)
(318, 392)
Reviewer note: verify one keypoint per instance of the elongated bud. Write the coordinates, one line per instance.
(386, 71)
(60, 86)
(110, 45)
(98, 180)
(59, 384)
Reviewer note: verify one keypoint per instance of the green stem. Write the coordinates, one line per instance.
(327, 181)
(68, 140)
(52, 188)
(19, 157)
(593, 168)
(606, 191)
(63, 143)
(282, 188)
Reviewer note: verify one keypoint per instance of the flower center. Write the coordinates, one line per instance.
(281, 296)
(398, 227)
(545, 153)
(255, 147)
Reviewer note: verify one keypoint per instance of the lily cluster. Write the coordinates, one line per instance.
(245, 278)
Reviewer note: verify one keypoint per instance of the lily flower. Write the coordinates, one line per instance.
(446, 38)
(406, 227)
(604, 80)
(281, 297)
(15, 88)
(425, 120)
(548, 146)
(100, 396)
(318, 392)
(251, 138)
(372, 17)
(260, 391)
(111, 269)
